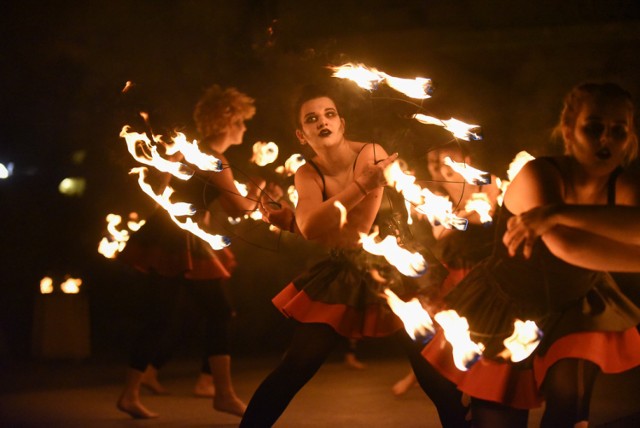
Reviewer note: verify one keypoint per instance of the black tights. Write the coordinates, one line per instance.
(567, 388)
(310, 347)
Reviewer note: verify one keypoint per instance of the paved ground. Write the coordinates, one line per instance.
(83, 394)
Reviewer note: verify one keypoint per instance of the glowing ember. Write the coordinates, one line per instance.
(416, 320)
(71, 285)
(291, 165)
(134, 223)
(343, 213)
(264, 153)
(457, 128)
(46, 285)
(524, 340)
(407, 263)
(480, 203)
(456, 331)
(470, 174)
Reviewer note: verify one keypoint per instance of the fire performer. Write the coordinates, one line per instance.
(178, 264)
(459, 251)
(584, 207)
(340, 296)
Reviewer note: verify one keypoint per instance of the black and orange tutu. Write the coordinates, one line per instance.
(339, 291)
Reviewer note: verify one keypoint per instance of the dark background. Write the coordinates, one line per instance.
(502, 64)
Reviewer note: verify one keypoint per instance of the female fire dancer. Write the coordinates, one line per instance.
(177, 261)
(584, 208)
(340, 296)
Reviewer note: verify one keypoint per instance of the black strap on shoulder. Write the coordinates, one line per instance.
(324, 185)
(611, 186)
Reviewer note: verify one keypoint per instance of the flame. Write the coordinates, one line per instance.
(71, 285)
(192, 153)
(134, 224)
(128, 85)
(470, 174)
(415, 318)
(46, 285)
(293, 195)
(480, 203)
(456, 330)
(407, 263)
(291, 165)
(437, 209)
(149, 155)
(520, 160)
(524, 340)
(264, 153)
(343, 213)
(6, 171)
(178, 208)
(364, 77)
(419, 88)
(370, 78)
(457, 128)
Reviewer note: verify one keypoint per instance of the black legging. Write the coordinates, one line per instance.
(567, 388)
(309, 348)
(164, 312)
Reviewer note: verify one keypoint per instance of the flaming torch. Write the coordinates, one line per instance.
(457, 128)
(415, 318)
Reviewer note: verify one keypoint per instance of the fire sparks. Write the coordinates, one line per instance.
(470, 174)
(415, 318)
(407, 263)
(264, 153)
(524, 340)
(457, 128)
(370, 78)
(343, 213)
(456, 330)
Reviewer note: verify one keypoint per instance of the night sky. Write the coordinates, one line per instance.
(502, 64)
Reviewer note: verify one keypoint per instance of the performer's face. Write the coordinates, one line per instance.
(236, 130)
(320, 122)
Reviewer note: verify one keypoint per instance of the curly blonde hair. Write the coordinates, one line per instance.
(218, 107)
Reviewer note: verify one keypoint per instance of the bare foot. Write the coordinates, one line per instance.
(204, 386)
(352, 362)
(135, 409)
(403, 385)
(231, 405)
(151, 382)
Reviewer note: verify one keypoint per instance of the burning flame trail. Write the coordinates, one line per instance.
(457, 128)
(408, 263)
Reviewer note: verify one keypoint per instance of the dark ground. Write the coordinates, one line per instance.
(83, 394)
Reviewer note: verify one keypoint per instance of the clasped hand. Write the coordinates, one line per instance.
(524, 229)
